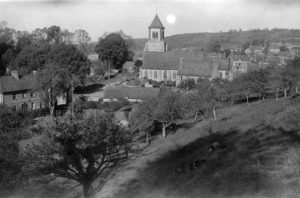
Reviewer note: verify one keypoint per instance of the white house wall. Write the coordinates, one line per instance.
(158, 75)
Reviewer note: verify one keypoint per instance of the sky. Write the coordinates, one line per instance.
(134, 16)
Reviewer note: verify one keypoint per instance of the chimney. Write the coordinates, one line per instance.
(7, 71)
(15, 74)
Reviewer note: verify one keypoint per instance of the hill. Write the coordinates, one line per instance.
(228, 39)
(254, 151)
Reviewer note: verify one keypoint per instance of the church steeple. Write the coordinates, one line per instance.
(156, 41)
(156, 23)
(156, 29)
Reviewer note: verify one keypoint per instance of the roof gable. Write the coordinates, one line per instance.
(156, 23)
(11, 84)
(131, 92)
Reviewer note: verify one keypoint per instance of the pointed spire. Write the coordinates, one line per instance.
(156, 23)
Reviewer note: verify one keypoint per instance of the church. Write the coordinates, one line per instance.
(159, 64)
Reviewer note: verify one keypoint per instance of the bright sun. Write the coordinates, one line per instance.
(171, 19)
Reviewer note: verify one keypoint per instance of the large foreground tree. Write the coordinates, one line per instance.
(79, 150)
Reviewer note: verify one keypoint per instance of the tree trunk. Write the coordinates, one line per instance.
(214, 113)
(164, 130)
(277, 90)
(285, 94)
(196, 115)
(147, 138)
(247, 99)
(86, 188)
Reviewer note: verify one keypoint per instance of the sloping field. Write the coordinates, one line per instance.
(254, 151)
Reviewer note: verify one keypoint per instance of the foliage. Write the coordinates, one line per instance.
(79, 149)
(165, 109)
(82, 38)
(32, 57)
(54, 34)
(138, 63)
(112, 49)
(187, 84)
(71, 59)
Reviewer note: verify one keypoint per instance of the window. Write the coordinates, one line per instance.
(32, 105)
(14, 108)
(23, 95)
(31, 95)
(165, 75)
(174, 75)
(24, 106)
(41, 105)
(146, 74)
(155, 74)
(14, 96)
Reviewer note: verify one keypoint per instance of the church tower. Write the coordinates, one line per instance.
(156, 42)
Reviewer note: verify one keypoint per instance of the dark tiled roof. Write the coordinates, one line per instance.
(253, 67)
(163, 60)
(156, 23)
(202, 67)
(240, 57)
(11, 84)
(223, 64)
(131, 92)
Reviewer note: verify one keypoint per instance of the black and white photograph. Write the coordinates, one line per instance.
(149, 98)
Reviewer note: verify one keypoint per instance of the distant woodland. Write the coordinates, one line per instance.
(230, 39)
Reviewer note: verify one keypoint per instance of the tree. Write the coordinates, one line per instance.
(258, 82)
(70, 58)
(112, 50)
(81, 37)
(54, 34)
(79, 149)
(32, 57)
(165, 110)
(283, 49)
(67, 36)
(138, 63)
(39, 34)
(52, 82)
(11, 124)
(187, 84)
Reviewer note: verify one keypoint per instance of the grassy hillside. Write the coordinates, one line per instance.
(254, 151)
(227, 39)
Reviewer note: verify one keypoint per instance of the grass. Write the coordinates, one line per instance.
(257, 155)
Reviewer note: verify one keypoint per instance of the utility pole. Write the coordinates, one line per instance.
(72, 102)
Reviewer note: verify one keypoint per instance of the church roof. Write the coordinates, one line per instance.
(156, 23)
(163, 60)
(201, 67)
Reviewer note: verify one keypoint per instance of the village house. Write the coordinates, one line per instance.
(275, 48)
(239, 63)
(224, 68)
(17, 92)
(255, 50)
